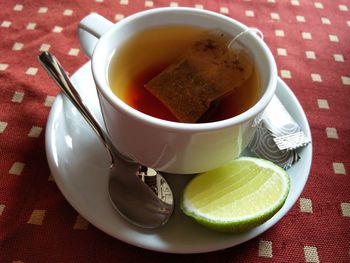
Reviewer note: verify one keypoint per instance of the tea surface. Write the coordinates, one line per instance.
(147, 53)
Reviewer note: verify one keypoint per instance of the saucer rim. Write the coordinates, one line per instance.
(54, 167)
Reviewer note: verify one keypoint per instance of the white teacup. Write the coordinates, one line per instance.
(164, 145)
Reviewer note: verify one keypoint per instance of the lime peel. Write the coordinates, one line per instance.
(238, 196)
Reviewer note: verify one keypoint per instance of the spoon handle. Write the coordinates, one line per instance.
(56, 71)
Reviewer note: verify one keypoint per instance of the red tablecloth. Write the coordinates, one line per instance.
(310, 42)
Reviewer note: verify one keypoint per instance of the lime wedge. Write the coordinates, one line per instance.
(237, 196)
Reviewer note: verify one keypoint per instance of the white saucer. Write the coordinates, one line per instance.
(79, 164)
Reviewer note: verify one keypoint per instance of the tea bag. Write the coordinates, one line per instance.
(278, 136)
(206, 72)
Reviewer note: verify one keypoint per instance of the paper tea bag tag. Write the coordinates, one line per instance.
(278, 136)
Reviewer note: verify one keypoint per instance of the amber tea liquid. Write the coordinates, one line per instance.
(147, 53)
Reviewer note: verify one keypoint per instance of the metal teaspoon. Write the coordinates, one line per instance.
(140, 194)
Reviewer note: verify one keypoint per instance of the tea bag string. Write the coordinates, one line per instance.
(254, 29)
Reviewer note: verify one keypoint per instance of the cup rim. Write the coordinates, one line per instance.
(116, 102)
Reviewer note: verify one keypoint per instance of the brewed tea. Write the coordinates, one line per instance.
(145, 55)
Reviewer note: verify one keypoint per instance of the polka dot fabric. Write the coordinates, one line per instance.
(310, 42)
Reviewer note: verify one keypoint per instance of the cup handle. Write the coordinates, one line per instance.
(90, 29)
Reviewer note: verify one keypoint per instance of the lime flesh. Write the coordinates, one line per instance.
(237, 196)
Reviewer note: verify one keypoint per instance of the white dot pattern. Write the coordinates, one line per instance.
(17, 168)
(265, 249)
(282, 52)
(18, 97)
(80, 223)
(332, 133)
(305, 205)
(2, 209)
(279, 33)
(343, 8)
(6, 23)
(37, 217)
(345, 209)
(18, 7)
(286, 74)
(224, 10)
(345, 80)
(45, 47)
(333, 38)
(295, 2)
(68, 12)
(43, 10)
(311, 254)
(149, 3)
(250, 13)
(118, 17)
(338, 57)
(306, 35)
(73, 52)
(3, 126)
(339, 168)
(17, 46)
(31, 26)
(316, 77)
(57, 29)
(322, 104)
(318, 5)
(325, 21)
(309, 41)
(49, 101)
(310, 54)
(3, 66)
(300, 19)
(35, 132)
(50, 178)
(275, 16)
(32, 71)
